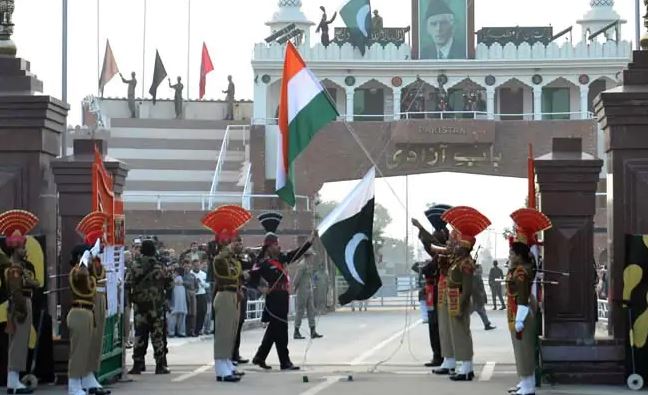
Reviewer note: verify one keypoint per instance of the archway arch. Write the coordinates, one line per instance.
(373, 101)
(561, 99)
(466, 99)
(514, 97)
(337, 93)
(419, 100)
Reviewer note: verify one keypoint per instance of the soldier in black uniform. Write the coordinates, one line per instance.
(247, 262)
(271, 267)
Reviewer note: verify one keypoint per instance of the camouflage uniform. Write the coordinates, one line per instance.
(148, 282)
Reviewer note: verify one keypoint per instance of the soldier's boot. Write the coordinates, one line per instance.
(297, 335)
(138, 368)
(314, 334)
(164, 361)
(161, 369)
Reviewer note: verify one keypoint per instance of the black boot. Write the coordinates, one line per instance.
(138, 368)
(314, 334)
(161, 369)
(297, 335)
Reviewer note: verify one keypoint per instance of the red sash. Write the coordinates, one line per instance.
(278, 285)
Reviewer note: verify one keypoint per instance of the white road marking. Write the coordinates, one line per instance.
(330, 380)
(487, 371)
(192, 374)
(382, 344)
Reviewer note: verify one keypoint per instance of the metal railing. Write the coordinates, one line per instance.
(222, 156)
(483, 115)
(246, 202)
(255, 309)
(205, 201)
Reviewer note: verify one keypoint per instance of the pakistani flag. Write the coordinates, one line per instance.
(346, 235)
(357, 16)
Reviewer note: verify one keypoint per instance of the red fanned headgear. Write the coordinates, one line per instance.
(92, 227)
(468, 222)
(15, 224)
(226, 221)
(528, 222)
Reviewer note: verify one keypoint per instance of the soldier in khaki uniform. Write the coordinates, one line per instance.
(93, 229)
(20, 278)
(80, 322)
(228, 274)
(468, 222)
(522, 304)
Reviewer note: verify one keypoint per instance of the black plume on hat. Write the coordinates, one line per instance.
(77, 253)
(270, 221)
(437, 7)
(434, 215)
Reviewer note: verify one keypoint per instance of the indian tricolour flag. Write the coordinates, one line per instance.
(304, 109)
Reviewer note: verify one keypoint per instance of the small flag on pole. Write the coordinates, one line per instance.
(109, 69)
(357, 16)
(304, 109)
(347, 236)
(206, 67)
(159, 74)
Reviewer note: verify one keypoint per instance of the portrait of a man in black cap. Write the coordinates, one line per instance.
(442, 29)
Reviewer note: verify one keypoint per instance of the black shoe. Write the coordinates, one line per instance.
(503, 308)
(443, 371)
(237, 373)
(298, 335)
(261, 364)
(463, 377)
(513, 390)
(20, 391)
(98, 391)
(489, 327)
(242, 361)
(138, 368)
(290, 367)
(315, 335)
(434, 363)
(161, 369)
(234, 362)
(495, 308)
(228, 379)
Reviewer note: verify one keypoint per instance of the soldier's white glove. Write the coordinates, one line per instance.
(522, 312)
(96, 249)
(85, 259)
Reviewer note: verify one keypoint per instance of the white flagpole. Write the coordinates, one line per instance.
(98, 46)
(64, 69)
(188, 82)
(637, 25)
(143, 51)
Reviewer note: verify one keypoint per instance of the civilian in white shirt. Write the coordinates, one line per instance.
(201, 296)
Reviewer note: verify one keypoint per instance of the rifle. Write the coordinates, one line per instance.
(477, 254)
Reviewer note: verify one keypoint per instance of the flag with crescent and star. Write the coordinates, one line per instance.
(357, 16)
(346, 235)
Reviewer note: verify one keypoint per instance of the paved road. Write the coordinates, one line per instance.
(354, 343)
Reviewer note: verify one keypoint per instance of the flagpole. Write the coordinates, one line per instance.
(637, 25)
(144, 50)
(407, 263)
(98, 45)
(188, 84)
(64, 69)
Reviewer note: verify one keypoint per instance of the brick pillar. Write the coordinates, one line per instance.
(622, 115)
(73, 175)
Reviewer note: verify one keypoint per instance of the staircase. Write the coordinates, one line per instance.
(171, 162)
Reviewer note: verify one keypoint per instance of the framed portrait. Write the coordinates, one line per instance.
(444, 29)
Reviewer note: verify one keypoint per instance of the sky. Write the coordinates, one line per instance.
(230, 29)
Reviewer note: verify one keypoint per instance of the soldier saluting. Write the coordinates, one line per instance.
(93, 229)
(522, 304)
(148, 282)
(20, 278)
(81, 321)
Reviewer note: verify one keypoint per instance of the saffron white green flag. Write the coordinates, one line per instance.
(304, 109)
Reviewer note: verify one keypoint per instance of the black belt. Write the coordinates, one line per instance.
(227, 290)
(82, 306)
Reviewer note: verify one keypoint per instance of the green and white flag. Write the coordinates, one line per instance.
(357, 16)
(347, 236)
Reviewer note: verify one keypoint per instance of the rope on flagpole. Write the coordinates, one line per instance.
(373, 162)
